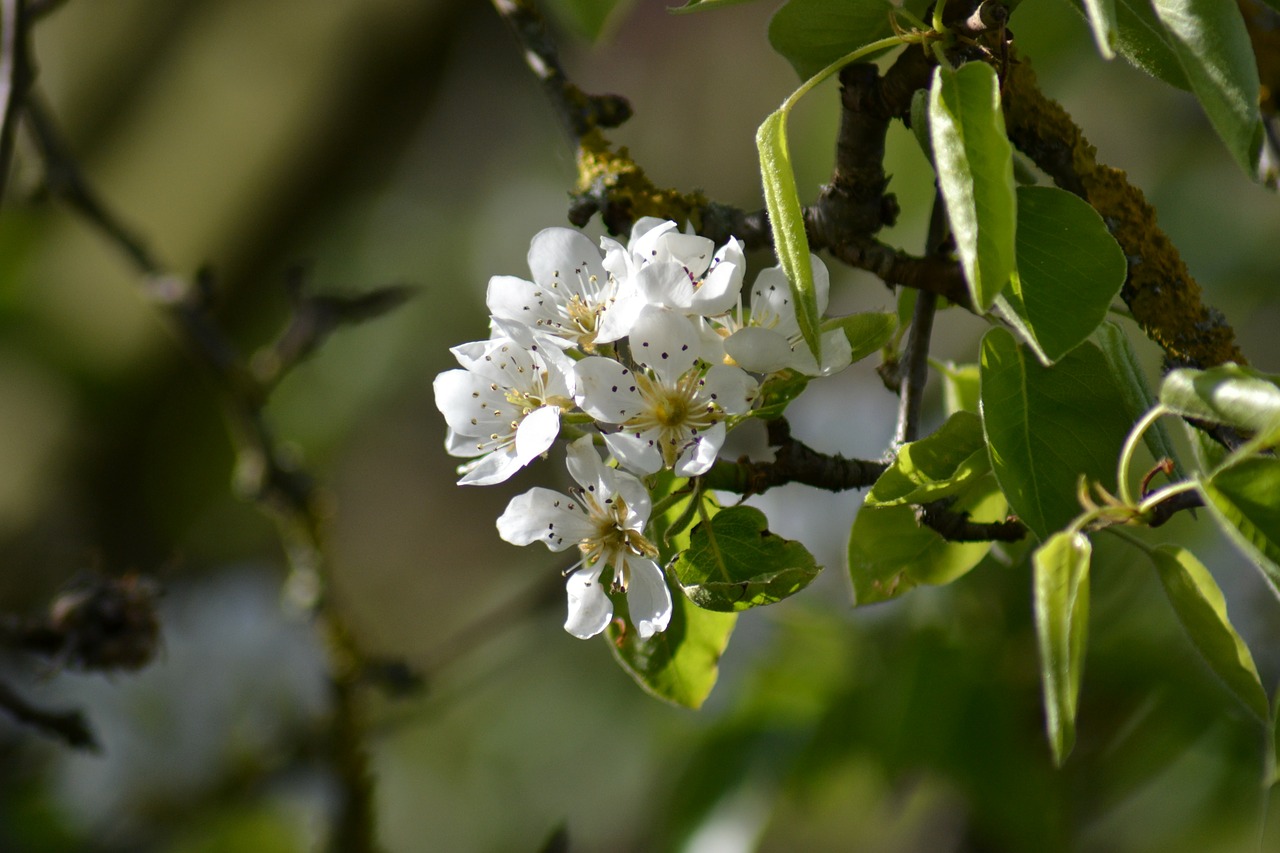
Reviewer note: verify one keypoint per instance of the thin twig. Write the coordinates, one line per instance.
(69, 726)
(15, 78)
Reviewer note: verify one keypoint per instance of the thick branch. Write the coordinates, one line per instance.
(1164, 298)
(794, 462)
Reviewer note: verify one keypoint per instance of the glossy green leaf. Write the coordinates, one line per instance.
(1228, 394)
(812, 34)
(778, 391)
(867, 332)
(1138, 396)
(1212, 45)
(1101, 15)
(1048, 426)
(734, 563)
(934, 467)
(679, 665)
(891, 553)
(974, 161)
(1244, 498)
(1070, 269)
(786, 221)
(960, 386)
(1202, 610)
(1060, 570)
(1143, 41)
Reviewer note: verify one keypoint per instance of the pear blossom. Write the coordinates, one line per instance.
(572, 297)
(504, 405)
(670, 411)
(605, 518)
(768, 339)
(682, 271)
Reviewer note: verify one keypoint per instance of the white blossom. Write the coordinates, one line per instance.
(605, 519)
(504, 405)
(572, 297)
(680, 271)
(768, 339)
(670, 411)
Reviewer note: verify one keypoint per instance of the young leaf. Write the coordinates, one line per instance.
(890, 552)
(1212, 45)
(734, 562)
(974, 161)
(934, 467)
(812, 34)
(1228, 394)
(1070, 269)
(679, 665)
(1061, 585)
(1202, 610)
(1138, 398)
(959, 386)
(786, 221)
(1102, 20)
(1048, 426)
(778, 391)
(1244, 498)
(867, 332)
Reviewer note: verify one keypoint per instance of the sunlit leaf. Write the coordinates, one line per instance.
(778, 391)
(1061, 583)
(890, 552)
(1139, 399)
(974, 161)
(1102, 20)
(1048, 426)
(867, 332)
(1228, 394)
(1069, 271)
(960, 386)
(734, 563)
(812, 34)
(1244, 498)
(679, 665)
(934, 467)
(1202, 610)
(786, 221)
(1212, 45)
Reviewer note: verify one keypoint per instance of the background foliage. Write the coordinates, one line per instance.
(379, 142)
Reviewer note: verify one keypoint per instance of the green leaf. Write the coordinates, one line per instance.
(974, 161)
(1048, 426)
(891, 553)
(1202, 610)
(812, 34)
(1212, 45)
(934, 467)
(778, 391)
(703, 5)
(679, 665)
(787, 223)
(1070, 269)
(589, 19)
(959, 386)
(1244, 499)
(1228, 394)
(867, 332)
(1102, 20)
(1144, 42)
(1138, 398)
(734, 563)
(1061, 583)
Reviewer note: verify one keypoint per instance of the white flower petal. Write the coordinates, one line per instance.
(771, 303)
(619, 316)
(606, 390)
(759, 350)
(536, 432)
(648, 598)
(646, 235)
(563, 257)
(666, 283)
(731, 388)
(470, 406)
(692, 252)
(585, 466)
(665, 342)
(519, 301)
(589, 606)
(631, 490)
(700, 455)
(496, 467)
(638, 453)
(543, 515)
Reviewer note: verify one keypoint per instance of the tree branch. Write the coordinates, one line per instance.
(69, 726)
(794, 462)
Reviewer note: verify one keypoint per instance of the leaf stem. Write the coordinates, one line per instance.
(1130, 447)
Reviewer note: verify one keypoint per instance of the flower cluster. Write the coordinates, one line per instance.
(646, 347)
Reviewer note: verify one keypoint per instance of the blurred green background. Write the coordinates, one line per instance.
(378, 142)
